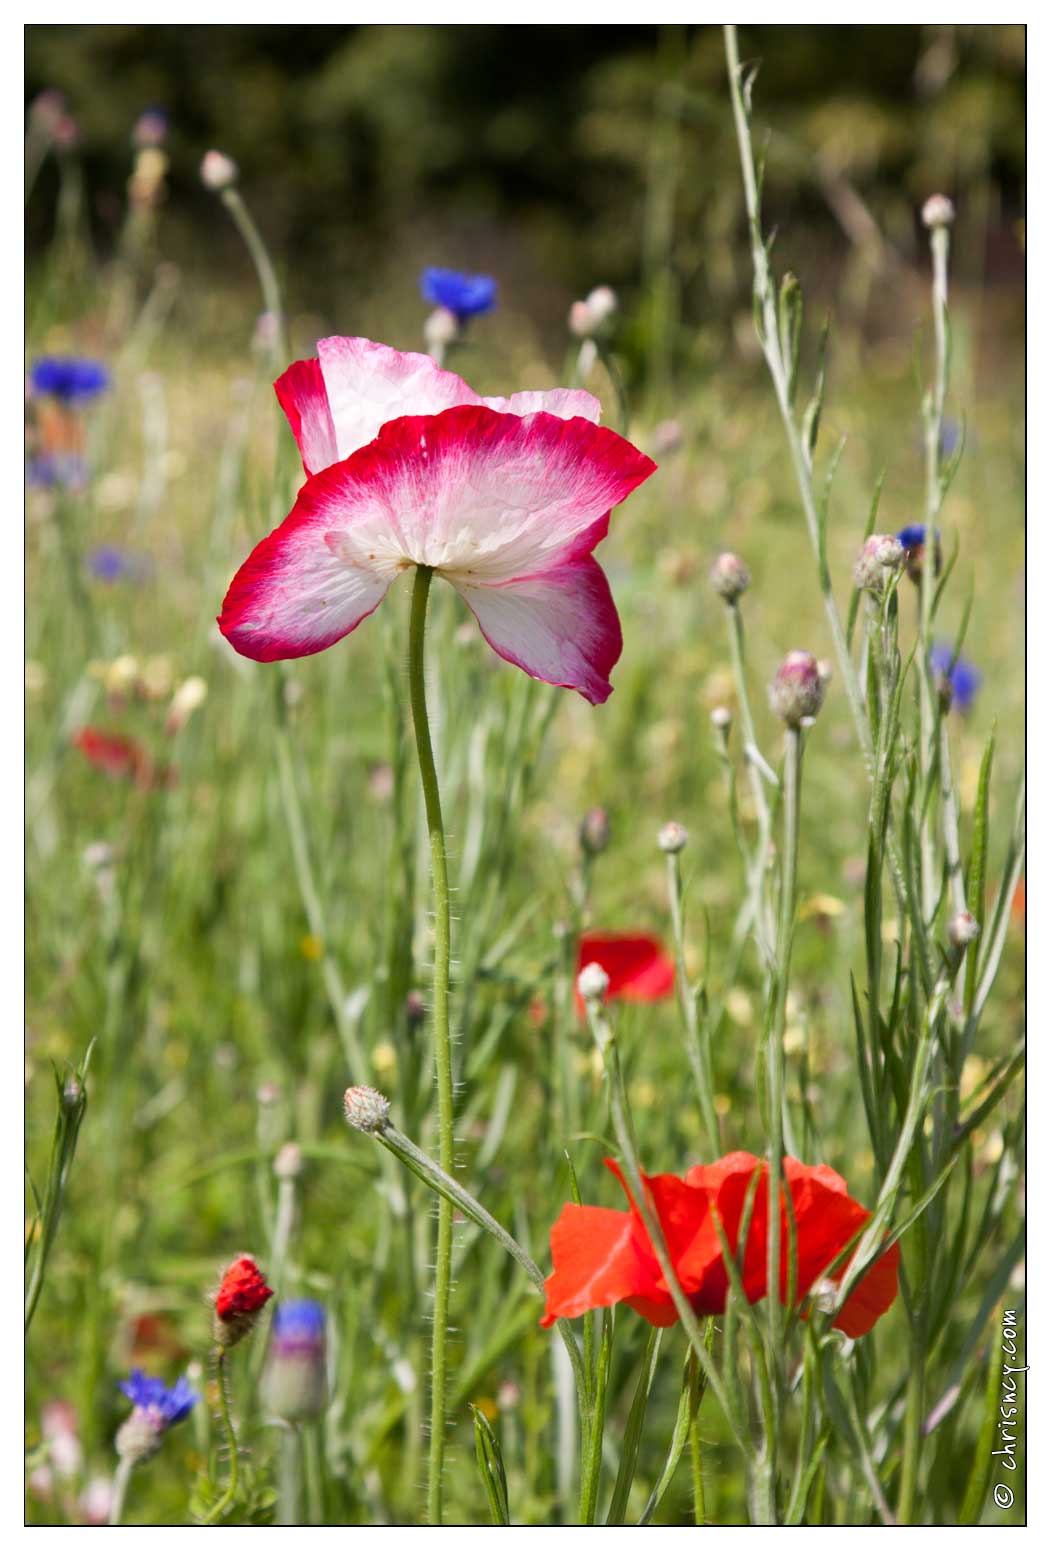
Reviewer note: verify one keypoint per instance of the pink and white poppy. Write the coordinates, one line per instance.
(408, 466)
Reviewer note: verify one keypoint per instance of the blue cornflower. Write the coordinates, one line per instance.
(466, 296)
(962, 677)
(68, 379)
(166, 1406)
(299, 1323)
(111, 564)
(912, 536)
(49, 469)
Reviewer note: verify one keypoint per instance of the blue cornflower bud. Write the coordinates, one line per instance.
(912, 540)
(68, 379)
(156, 1408)
(295, 1380)
(465, 296)
(958, 680)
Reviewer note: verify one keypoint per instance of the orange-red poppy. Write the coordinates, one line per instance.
(115, 755)
(639, 970)
(602, 1257)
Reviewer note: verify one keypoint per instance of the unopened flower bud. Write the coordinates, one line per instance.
(218, 171)
(721, 718)
(592, 982)
(798, 689)
(440, 328)
(189, 697)
(366, 1109)
(415, 1009)
(240, 1300)
(588, 316)
(295, 1380)
(938, 211)
(289, 1162)
(730, 577)
(880, 553)
(139, 1437)
(672, 837)
(151, 129)
(73, 1097)
(963, 929)
(594, 831)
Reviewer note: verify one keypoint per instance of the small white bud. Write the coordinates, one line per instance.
(441, 328)
(963, 929)
(672, 838)
(938, 211)
(730, 577)
(592, 982)
(366, 1109)
(218, 171)
(721, 718)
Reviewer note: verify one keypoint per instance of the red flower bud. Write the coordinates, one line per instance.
(242, 1294)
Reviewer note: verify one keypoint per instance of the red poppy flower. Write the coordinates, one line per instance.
(638, 968)
(604, 1257)
(115, 755)
(242, 1294)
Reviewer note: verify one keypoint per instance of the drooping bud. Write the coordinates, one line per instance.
(240, 1300)
(672, 838)
(594, 832)
(295, 1379)
(963, 929)
(880, 553)
(593, 982)
(730, 577)
(798, 688)
(938, 211)
(366, 1109)
(218, 171)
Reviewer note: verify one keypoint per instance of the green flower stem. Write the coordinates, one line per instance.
(442, 1047)
(229, 1496)
(120, 1490)
(624, 1132)
(263, 267)
(757, 909)
(775, 1051)
(697, 1047)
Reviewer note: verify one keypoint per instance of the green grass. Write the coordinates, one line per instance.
(191, 963)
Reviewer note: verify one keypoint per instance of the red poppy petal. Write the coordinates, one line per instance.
(596, 1263)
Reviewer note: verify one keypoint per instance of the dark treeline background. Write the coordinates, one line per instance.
(554, 157)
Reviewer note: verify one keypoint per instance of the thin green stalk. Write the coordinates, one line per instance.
(696, 1473)
(442, 1046)
(229, 1496)
(120, 1491)
(756, 908)
(263, 267)
(288, 1461)
(698, 1052)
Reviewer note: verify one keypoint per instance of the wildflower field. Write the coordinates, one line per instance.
(510, 808)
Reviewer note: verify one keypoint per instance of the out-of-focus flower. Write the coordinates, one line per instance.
(294, 1380)
(50, 471)
(242, 1295)
(667, 437)
(465, 296)
(47, 110)
(594, 831)
(156, 1409)
(218, 171)
(117, 756)
(73, 381)
(188, 698)
(58, 1427)
(957, 679)
(110, 564)
(637, 967)
(603, 1257)
(588, 317)
(505, 498)
(730, 577)
(151, 128)
(96, 1500)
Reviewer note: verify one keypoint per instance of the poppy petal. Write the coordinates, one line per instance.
(301, 393)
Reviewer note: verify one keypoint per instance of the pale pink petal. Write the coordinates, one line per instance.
(299, 591)
(487, 498)
(561, 626)
(369, 384)
(566, 403)
(301, 393)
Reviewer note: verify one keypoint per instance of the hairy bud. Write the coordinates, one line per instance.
(366, 1109)
(672, 838)
(798, 690)
(730, 577)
